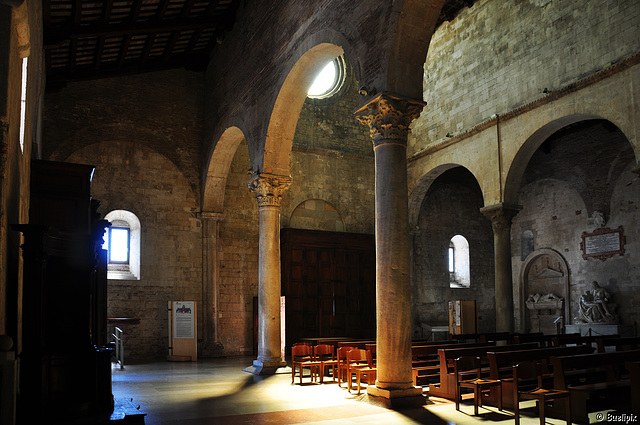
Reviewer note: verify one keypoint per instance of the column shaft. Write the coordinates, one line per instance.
(210, 222)
(393, 285)
(501, 216)
(269, 189)
(388, 117)
(269, 275)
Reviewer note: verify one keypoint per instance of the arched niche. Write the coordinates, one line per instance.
(544, 272)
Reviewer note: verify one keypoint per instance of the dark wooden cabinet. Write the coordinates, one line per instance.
(328, 280)
(65, 365)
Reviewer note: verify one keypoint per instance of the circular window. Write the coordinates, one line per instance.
(329, 81)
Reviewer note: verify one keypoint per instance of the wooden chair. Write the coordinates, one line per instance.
(359, 362)
(302, 356)
(543, 396)
(478, 384)
(341, 359)
(324, 354)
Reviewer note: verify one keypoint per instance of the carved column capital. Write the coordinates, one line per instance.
(269, 188)
(501, 215)
(388, 117)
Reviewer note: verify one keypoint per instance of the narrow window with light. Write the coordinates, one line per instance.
(117, 244)
(458, 257)
(122, 242)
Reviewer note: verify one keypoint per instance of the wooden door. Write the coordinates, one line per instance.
(328, 279)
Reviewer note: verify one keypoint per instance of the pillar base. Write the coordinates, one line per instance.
(267, 368)
(395, 399)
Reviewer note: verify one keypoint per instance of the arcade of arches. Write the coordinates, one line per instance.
(513, 124)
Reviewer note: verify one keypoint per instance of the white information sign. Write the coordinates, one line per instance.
(184, 319)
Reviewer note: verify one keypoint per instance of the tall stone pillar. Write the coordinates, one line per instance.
(269, 189)
(501, 216)
(388, 118)
(210, 224)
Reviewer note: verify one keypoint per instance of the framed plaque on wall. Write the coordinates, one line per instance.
(602, 243)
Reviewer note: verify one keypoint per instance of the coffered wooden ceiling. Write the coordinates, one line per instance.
(88, 39)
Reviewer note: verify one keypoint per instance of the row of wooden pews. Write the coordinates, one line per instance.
(595, 372)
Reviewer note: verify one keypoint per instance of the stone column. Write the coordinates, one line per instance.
(388, 118)
(269, 189)
(501, 216)
(210, 224)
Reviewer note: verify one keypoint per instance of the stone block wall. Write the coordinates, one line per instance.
(331, 161)
(238, 260)
(132, 177)
(496, 56)
(451, 207)
(161, 110)
(143, 135)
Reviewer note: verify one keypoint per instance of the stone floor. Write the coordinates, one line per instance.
(217, 391)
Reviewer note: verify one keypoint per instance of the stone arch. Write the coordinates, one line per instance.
(420, 190)
(287, 107)
(549, 270)
(317, 214)
(415, 27)
(525, 152)
(217, 170)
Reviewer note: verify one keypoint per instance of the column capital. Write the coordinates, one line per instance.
(210, 216)
(501, 214)
(269, 188)
(388, 117)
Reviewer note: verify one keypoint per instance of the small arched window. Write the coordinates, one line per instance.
(458, 256)
(122, 241)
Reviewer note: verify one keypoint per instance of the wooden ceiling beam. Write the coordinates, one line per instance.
(88, 73)
(56, 37)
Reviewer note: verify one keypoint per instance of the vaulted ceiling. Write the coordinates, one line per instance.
(88, 39)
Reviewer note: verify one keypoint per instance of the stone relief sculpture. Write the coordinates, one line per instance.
(595, 307)
(598, 219)
(546, 312)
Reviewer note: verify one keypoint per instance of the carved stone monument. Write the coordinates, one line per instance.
(545, 292)
(546, 313)
(595, 307)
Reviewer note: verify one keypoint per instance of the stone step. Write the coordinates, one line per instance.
(126, 412)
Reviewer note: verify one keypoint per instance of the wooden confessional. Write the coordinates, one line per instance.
(65, 361)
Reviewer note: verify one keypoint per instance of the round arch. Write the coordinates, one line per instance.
(420, 190)
(416, 25)
(317, 214)
(215, 178)
(525, 152)
(287, 107)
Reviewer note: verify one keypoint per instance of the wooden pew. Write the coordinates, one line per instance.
(618, 344)
(446, 388)
(588, 392)
(426, 363)
(542, 340)
(634, 370)
(573, 339)
(483, 337)
(500, 363)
